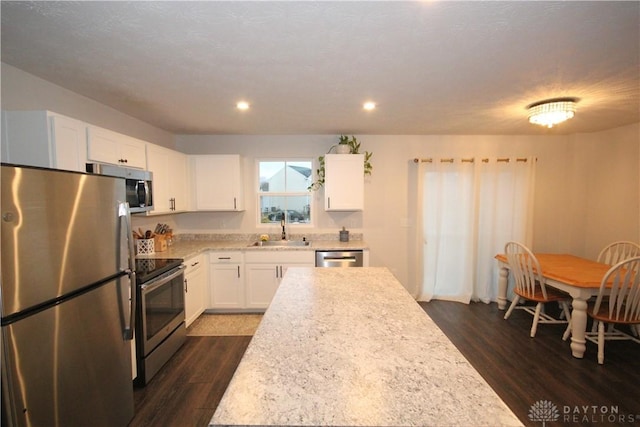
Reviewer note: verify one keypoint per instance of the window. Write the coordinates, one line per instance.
(282, 191)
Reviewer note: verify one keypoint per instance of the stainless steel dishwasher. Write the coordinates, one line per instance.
(339, 258)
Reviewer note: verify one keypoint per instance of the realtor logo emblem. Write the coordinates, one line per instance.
(544, 410)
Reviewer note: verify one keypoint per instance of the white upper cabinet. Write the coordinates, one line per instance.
(217, 182)
(344, 182)
(45, 139)
(111, 147)
(170, 186)
(179, 175)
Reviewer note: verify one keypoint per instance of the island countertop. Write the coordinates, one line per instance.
(351, 347)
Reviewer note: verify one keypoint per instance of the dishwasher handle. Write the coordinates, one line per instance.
(352, 258)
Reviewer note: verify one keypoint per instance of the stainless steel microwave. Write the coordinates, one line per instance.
(139, 184)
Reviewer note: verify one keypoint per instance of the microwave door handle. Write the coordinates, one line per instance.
(125, 216)
(141, 193)
(147, 194)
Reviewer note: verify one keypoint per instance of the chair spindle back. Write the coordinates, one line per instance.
(624, 294)
(525, 268)
(618, 251)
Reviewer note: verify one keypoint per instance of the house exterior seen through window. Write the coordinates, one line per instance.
(282, 191)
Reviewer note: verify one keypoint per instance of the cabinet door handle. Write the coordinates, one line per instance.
(186, 285)
(281, 272)
(328, 202)
(238, 272)
(195, 263)
(224, 257)
(276, 271)
(235, 205)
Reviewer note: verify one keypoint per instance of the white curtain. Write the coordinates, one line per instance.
(468, 210)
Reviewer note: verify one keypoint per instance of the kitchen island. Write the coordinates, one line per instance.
(351, 347)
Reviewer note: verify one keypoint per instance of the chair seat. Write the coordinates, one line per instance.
(603, 315)
(552, 295)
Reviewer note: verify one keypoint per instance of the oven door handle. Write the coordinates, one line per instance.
(156, 283)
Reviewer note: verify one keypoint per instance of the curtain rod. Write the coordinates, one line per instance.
(471, 160)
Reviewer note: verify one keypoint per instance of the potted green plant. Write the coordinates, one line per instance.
(345, 145)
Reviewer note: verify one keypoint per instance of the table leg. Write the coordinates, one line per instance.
(502, 287)
(578, 327)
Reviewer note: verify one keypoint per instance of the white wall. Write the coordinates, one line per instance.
(573, 178)
(610, 190)
(24, 91)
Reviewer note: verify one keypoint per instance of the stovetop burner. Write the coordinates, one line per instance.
(148, 268)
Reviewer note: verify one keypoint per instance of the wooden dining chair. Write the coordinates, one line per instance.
(530, 285)
(618, 305)
(612, 254)
(615, 252)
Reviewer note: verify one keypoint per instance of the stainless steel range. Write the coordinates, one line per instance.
(160, 326)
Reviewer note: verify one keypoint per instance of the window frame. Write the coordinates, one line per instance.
(259, 193)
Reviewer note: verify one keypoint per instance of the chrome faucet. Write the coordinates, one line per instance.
(284, 233)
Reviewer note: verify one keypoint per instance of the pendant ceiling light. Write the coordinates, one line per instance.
(552, 111)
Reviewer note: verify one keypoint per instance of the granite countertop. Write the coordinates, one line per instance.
(351, 347)
(189, 246)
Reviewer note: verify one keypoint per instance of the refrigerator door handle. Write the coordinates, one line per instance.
(125, 216)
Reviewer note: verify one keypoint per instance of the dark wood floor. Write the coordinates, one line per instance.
(187, 390)
(522, 370)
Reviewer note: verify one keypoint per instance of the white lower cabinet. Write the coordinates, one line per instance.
(226, 280)
(195, 287)
(265, 270)
(248, 281)
(262, 283)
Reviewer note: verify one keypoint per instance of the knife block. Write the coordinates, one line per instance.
(160, 243)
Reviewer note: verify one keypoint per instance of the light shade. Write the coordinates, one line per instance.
(551, 112)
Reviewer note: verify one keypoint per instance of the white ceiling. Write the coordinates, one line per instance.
(433, 67)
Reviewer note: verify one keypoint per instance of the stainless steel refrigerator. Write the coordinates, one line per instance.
(67, 299)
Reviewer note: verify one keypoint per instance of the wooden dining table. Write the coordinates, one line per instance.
(579, 277)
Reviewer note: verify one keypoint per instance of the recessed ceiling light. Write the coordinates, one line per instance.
(369, 105)
(242, 105)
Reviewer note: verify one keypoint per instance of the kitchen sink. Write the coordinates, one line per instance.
(284, 243)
